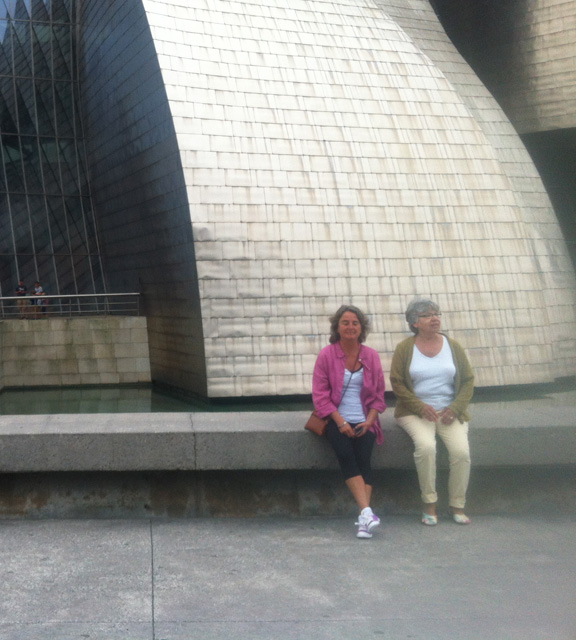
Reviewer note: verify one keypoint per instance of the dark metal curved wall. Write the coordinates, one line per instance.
(139, 189)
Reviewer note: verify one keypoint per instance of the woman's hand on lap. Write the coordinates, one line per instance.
(430, 414)
(447, 416)
(347, 431)
(361, 429)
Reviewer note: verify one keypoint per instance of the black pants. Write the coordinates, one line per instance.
(353, 453)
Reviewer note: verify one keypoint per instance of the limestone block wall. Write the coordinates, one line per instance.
(342, 151)
(74, 351)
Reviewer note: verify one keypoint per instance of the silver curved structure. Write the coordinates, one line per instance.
(256, 164)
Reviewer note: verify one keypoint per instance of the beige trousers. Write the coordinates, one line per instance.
(455, 437)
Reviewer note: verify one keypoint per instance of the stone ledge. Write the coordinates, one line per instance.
(500, 436)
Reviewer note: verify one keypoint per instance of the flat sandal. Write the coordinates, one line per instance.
(460, 518)
(429, 520)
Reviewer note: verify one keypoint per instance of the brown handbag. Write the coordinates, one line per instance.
(316, 424)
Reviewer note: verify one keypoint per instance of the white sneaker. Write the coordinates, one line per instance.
(367, 522)
(363, 531)
(369, 518)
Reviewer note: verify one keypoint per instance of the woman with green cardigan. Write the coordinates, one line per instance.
(433, 383)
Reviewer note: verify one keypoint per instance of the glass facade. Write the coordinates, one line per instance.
(47, 225)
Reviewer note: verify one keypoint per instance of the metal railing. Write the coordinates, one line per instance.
(88, 304)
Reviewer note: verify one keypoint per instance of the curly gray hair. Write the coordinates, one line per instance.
(416, 308)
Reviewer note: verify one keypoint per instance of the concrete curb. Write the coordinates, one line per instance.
(500, 435)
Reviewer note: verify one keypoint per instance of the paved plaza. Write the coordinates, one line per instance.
(505, 577)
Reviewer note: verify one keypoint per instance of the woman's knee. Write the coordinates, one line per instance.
(425, 449)
(346, 457)
(348, 463)
(459, 455)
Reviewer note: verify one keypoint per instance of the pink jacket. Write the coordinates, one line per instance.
(328, 382)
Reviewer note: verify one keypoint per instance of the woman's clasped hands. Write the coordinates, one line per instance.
(361, 428)
(445, 416)
(357, 431)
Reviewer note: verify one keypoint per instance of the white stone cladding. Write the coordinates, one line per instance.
(331, 158)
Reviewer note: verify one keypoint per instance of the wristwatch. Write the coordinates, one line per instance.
(342, 425)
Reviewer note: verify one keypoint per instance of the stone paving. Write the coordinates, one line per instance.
(505, 577)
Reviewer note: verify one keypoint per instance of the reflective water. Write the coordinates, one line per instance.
(151, 400)
(128, 400)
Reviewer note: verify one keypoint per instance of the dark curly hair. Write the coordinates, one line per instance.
(335, 319)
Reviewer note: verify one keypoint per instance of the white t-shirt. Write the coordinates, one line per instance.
(433, 378)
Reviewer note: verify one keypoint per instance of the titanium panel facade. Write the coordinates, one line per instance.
(526, 54)
(329, 158)
(254, 165)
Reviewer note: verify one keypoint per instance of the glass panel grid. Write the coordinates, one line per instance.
(47, 225)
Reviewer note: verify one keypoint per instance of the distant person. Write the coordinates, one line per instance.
(22, 302)
(433, 383)
(38, 291)
(348, 388)
(43, 302)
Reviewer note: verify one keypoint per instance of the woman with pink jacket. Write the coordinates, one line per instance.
(348, 388)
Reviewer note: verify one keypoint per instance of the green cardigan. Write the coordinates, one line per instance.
(406, 401)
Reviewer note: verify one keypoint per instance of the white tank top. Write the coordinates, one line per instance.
(351, 407)
(433, 378)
